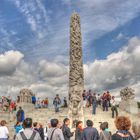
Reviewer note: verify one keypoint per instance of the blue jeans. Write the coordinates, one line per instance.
(56, 108)
(94, 108)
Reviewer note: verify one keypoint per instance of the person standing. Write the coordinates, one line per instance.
(90, 133)
(20, 115)
(136, 130)
(84, 98)
(108, 96)
(4, 133)
(46, 102)
(46, 129)
(33, 99)
(114, 107)
(66, 130)
(105, 102)
(28, 133)
(94, 103)
(18, 127)
(98, 99)
(41, 131)
(123, 125)
(55, 133)
(104, 135)
(56, 103)
(79, 130)
(65, 102)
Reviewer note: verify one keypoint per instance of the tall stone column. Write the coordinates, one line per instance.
(76, 76)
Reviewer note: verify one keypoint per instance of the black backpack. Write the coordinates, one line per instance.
(25, 138)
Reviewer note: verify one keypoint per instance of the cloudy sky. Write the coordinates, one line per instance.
(34, 45)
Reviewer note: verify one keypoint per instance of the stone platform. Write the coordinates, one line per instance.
(44, 115)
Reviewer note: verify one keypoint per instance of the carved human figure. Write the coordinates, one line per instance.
(26, 95)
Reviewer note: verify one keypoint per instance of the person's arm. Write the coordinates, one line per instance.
(101, 136)
(6, 131)
(96, 135)
(82, 136)
(61, 136)
(69, 133)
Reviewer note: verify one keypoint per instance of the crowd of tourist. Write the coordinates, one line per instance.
(104, 100)
(90, 99)
(45, 102)
(28, 130)
(7, 104)
(25, 129)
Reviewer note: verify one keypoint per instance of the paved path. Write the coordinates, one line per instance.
(43, 115)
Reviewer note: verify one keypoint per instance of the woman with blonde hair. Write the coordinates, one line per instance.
(136, 130)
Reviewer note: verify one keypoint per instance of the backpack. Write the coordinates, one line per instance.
(25, 138)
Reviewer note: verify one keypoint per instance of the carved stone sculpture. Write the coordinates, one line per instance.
(26, 95)
(76, 76)
(127, 94)
(127, 100)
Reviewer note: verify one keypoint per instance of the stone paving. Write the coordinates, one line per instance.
(43, 115)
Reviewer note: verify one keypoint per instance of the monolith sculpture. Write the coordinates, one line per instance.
(127, 101)
(76, 76)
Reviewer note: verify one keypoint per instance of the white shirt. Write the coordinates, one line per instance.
(45, 133)
(4, 132)
(113, 103)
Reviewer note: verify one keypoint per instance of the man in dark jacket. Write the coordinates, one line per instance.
(66, 130)
(90, 133)
(20, 115)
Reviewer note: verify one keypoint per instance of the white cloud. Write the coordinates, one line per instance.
(49, 78)
(9, 62)
(118, 70)
(51, 69)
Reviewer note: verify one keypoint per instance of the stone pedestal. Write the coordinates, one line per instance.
(127, 101)
(129, 106)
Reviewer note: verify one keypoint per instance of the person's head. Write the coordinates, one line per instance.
(59, 125)
(113, 97)
(27, 123)
(36, 124)
(20, 107)
(66, 121)
(136, 129)
(3, 123)
(54, 122)
(102, 126)
(40, 125)
(106, 124)
(89, 123)
(18, 123)
(79, 124)
(123, 123)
